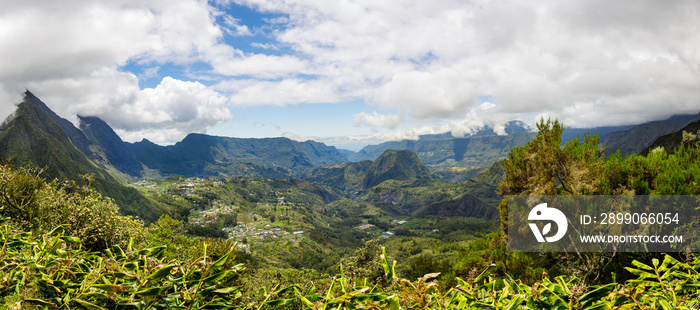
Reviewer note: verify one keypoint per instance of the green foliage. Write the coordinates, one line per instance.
(543, 167)
(667, 285)
(670, 284)
(35, 204)
(491, 251)
(170, 233)
(52, 270)
(208, 231)
(658, 173)
(368, 264)
(395, 165)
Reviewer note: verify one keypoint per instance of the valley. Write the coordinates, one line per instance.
(275, 220)
(304, 215)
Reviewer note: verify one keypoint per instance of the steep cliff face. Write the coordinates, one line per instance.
(36, 136)
(670, 142)
(639, 137)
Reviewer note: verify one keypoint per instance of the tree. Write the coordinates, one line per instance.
(544, 167)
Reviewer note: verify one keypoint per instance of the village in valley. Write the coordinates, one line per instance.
(241, 224)
(256, 218)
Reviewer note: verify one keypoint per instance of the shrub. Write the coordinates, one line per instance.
(35, 204)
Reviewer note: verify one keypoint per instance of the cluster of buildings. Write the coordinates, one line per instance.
(386, 234)
(365, 226)
(258, 235)
(209, 216)
(145, 184)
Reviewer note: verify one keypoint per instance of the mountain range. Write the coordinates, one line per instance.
(396, 174)
(207, 156)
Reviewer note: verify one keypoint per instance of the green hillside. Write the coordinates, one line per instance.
(358, 176)
(394, 165)
(639, 137)
(31, 138)
(670, 142)
(344, 176)
(453, 159)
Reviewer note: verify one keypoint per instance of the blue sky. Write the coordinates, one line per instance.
(353, 72)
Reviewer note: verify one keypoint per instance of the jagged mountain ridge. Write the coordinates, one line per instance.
(477, 151)
(209, 156)
(35, 136)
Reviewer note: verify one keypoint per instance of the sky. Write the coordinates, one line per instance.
(349, 72)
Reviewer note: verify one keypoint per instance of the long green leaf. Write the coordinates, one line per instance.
(641, 265)
(227, 290)
(304, 300)
(219, 262)
(596, 294)
(40, 302)
(279, 302)
(484, 274)
(89, 305)
(154, 291)
(111, 287)
(515, 303)
(161, 273)
(211, 280)
(665, 305)
(641, 273)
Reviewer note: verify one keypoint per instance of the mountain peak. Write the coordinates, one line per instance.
(33, 102)
(395, 165)
(95, 129)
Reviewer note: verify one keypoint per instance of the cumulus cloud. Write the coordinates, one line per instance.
(377, 120)
(589, 63)
(69, 54)
(169, 111)
(233, 26)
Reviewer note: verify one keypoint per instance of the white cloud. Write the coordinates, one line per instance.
(585, 62)
(265, 46)
(377, 120)
(571, 59)
(169, 112)
(234, 28)
(69, 54)
(280, 93)
(229, 62)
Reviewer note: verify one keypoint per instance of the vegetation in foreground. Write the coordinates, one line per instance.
(53, 271)
(66, 247)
